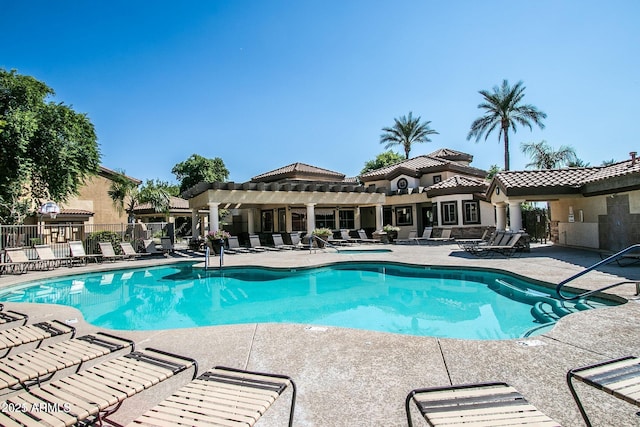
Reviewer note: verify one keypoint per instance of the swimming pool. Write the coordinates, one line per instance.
(387, 297)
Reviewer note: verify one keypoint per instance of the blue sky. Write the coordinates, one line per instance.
(262, 84)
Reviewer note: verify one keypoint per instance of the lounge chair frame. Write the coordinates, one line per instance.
(221, 396)
(108, 253)
(46, 256)
(76, 249)
(37, 332)
(618, 377)
(494, 403)
(33, 367)
(92, 395)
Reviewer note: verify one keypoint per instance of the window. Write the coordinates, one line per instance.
(437, 179)
(325, 218)
(298, 220)
(387, 216)
(449, 213)
(267, 221)
(347, 219)
(404, 215)
(471, 209)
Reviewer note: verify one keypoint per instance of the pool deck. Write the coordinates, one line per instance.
(349, 377)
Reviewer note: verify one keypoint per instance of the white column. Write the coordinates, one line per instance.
(311, 217)
(194, 223)
(378, 211)
(515, 216)
(501, 216)
(288, 220)
(250, 221)
(357, 221)
(213, 216)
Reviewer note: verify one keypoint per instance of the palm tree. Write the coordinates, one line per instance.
(126, 196)
(545, 157)
(504, 109)
(406, 131)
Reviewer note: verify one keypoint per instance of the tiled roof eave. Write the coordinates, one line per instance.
(455, 190)
(540, 191)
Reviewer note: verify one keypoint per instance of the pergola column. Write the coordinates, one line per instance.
(311, 217)
(194, 223)
(501, 216)
(213, 216)
(515, 215)
(357, 220)
(250, 221)
(378, 211)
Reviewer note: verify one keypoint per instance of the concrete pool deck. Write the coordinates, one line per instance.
(348, 377)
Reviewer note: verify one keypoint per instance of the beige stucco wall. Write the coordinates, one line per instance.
(486, 211)
(94, 197)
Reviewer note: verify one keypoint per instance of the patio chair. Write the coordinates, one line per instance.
(234, 246)
(151, 248)
(365, 239)
(129, 252)
(10, 316)
(19, 257)
(92, 395)
(37, 332)
(411, 238)
(34, 367)
(76, 249)
(462, 243)
(279, 243)
(46, 255)
(108, 253)
(618, 377)
(296, 240)
(167, 246)
(220, 396)
(344, 235)
(445, 236)
(255, 245)
(507, 249)
(486, 404)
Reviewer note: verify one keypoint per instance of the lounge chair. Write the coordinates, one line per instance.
(19, 257)
(445, 236)
(129, 252)
(234, 246)
(254, 241)
(150, 248)
(618, 377)
(411, 238)
(365, 239)
(108, 253)
(37, 332)
(78, 254)
(462, 243)
(46, 255)
(507, 246)
(10, 316)
(279, 243)
(220, 396)
(344, 234)
(166, 244)
(36, 366)
(484, 404)
(90, 396)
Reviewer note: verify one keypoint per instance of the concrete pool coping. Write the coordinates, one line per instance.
(353, 377)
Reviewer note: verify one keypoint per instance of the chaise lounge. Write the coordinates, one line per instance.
(221, 396)
(483, 404)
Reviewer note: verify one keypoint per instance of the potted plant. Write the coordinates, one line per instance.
(392, 232)
(216, 239)
(322, 233)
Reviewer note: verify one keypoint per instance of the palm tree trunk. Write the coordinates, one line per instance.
(505, 130)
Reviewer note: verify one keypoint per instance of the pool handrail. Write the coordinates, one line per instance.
(594, 266)
(325, 242)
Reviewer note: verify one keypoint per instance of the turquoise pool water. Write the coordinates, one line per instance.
(424, 301)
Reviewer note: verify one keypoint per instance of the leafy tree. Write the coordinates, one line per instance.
(387, 158)
(503, 111)
(544, 156)
(608, 162)
(493, 170)
(578, 163)
(47, 150)
(126, 196)
(199, 169)
(406, 131)
(157, 185)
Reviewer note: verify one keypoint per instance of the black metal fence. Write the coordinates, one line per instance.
(58, 235)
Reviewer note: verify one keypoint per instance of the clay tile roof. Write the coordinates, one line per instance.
(410, 165)
(615, 170)
(547, 178)
(75, 212)
(449, 154)
(458, 184)
(296, 170)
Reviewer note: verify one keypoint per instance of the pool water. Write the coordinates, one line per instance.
(387, 297)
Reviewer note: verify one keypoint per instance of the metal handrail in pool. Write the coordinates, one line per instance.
(594, 266)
